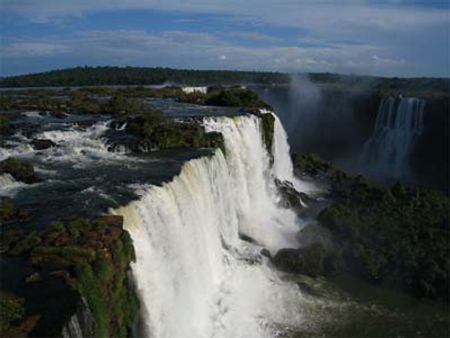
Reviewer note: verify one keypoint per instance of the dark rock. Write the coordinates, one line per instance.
(81, 322)
(21, 170)
(308, 261)
(87, 123)
(58, 114)
(266, 253)
(8, 239)
(41, 144)
(246, 238)
(65, 275)
(33, 278)
(291, 198)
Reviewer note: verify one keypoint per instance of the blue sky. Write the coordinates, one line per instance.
(390, 37)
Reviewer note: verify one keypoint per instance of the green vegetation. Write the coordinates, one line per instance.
(418, 87)
(19, 169)
(93, 257)
(11, 309)
(158, 131)
(32, 100)
(5, 127)
(307, 261)
(226, 97)
(101, 76)
(6, 210)
(398, 236)
(312, 165)
(104, 76)
(268, 126)
(9, 213)
(25, 244)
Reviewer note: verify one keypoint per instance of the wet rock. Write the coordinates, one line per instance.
(8, 239)
(291, 198)
(308, 261)
(81, 323)
(87, 123)
(246, 238)
(65, 275)
(58, 114)
(41, 144)
(19, 169)
(33, 278)
(265, 252)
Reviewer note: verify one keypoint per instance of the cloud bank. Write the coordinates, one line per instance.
(381, 38)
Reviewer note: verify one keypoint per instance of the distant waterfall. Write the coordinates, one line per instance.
(400, 121)
(195, 276)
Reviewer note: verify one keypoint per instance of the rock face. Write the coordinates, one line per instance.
(308, 261)
(41, 144)
(291, 198)
(83, 265)
(80, 324)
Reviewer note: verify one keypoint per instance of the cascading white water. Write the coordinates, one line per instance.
(398, 125)
(194, 275)
(282, 164)
(8, 185)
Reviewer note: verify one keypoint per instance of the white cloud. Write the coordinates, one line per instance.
(254, 36)
(33, 48)
(185, 49)
(335, 36)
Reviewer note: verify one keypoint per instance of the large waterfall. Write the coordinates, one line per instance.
(194, 274)
(398, 125)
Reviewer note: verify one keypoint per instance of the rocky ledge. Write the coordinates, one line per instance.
(84, 262)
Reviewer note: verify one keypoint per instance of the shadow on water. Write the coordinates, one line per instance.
(346, 306)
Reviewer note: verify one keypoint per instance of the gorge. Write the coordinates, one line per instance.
(209, 198)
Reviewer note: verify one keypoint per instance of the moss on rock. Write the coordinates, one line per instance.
(21, 170)
(11, 309)
(92, 256)
(268, 127)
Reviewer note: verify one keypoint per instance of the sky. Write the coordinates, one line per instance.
(384, 37)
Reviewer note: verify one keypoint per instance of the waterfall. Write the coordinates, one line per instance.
(194, 274)
(398, 125)
(282, 165)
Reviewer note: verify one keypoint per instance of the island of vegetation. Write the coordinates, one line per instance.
(397, 236)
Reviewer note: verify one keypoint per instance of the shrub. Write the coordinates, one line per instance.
(26, 245)
(11, 309)
(400, 234)
(6, 210)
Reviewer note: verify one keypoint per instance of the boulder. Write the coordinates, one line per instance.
(266, 253)
(41, 144)
(58, 114)
(86, 123)
(246, 238)
(308, 261)
(19, 169)
(33, 278)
